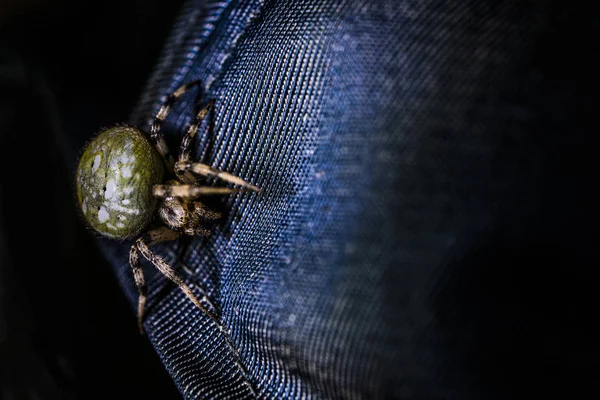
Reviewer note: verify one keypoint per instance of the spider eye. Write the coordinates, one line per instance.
(114, 182)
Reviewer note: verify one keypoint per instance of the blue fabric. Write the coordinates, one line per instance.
(390, 139)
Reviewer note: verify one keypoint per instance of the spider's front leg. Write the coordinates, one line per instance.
(184, 166)
(142, 245)
(180, 212)
(191, 191)
(156, 136)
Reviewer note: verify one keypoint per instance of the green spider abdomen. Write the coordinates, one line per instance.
(114, 182)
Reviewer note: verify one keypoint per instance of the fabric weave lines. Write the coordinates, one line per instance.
(367, 125)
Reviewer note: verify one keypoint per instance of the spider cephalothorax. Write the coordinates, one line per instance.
(121, 189)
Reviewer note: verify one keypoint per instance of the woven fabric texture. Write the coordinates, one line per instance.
(391, 138)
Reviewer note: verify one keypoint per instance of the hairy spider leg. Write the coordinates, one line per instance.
(156, 135)
(206, 170)
(142, 245)
(167, 271)
(184, 166)
(184, 149)
(191, 191)
(140, 282)
(155, 236)
(204, 212)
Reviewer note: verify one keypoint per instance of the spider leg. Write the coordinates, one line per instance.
(191, 191)
(204, 212)
(155, 236)
(155, 132)
(138, 275)
(206, 170)
(170, 273)
(167, 271)
(184, 150)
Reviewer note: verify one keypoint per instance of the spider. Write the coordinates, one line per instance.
(121, 191)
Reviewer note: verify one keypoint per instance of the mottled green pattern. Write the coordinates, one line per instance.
(114, 182)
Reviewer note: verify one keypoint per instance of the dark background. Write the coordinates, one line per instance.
(66, 330)
(67, 68)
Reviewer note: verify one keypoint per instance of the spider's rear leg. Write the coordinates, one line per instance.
(167, 271)
(206, 170)
(142, 245)
(153, 237)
